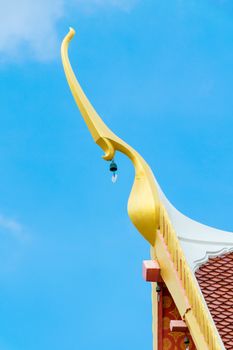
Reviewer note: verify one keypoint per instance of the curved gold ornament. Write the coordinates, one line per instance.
(144, 203)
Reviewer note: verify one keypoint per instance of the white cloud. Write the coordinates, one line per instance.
(14, 244)
(28, 28)
(12, 227)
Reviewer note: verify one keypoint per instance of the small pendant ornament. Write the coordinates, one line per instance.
(113, 169)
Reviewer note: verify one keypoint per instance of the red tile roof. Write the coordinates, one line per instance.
(215, 278)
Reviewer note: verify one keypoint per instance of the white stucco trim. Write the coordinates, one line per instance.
(211, 254)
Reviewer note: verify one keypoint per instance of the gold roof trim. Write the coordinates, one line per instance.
(151, 219)
(144, 203)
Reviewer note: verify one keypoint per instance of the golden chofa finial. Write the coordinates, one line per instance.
(143, 204)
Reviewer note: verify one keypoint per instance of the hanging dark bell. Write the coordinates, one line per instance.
(158, 289)
(113, 166)
(186, 340)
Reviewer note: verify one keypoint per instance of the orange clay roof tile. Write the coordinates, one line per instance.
(215, 278)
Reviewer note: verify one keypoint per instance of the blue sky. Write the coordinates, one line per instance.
(160, 74)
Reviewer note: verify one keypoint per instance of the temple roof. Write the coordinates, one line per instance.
(180, 245)
(215, 278)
